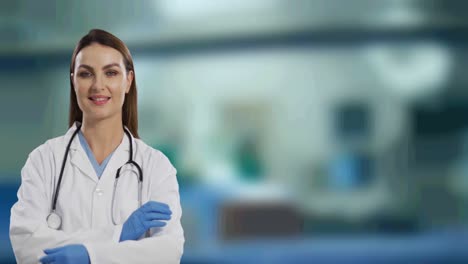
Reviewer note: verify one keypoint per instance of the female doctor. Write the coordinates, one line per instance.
(98, 194)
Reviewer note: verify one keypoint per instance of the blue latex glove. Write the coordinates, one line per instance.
(151, 214)
(66, 255)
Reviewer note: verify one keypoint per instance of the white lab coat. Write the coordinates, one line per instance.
(84, 203)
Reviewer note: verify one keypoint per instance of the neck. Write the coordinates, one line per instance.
(103, 136)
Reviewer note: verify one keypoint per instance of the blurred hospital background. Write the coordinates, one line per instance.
(305, 131)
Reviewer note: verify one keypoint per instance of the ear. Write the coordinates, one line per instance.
(130, 77)
(71, 78)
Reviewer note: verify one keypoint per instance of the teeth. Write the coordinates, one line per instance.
(100, 99)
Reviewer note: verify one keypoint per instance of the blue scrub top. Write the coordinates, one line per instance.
(98, 168)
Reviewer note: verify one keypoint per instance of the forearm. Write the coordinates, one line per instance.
(28, 245)
(156, 249)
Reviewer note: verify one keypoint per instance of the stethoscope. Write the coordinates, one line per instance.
(54, 220)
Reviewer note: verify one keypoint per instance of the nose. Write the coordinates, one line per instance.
(99, 82)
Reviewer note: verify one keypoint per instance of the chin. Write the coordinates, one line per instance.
(100, 115)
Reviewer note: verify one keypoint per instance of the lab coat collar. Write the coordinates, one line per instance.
(79, 158)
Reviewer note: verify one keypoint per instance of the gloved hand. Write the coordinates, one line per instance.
(147, 216)
(66, 255)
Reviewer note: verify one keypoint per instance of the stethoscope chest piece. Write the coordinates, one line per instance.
(54, 221)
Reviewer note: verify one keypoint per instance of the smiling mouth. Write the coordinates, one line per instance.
(99, 100)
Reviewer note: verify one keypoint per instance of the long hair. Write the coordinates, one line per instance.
(129, 108)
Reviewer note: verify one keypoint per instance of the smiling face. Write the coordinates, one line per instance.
(101, 81)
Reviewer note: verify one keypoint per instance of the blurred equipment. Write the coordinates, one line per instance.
(241, 220)
(412, 70)
(352, 167)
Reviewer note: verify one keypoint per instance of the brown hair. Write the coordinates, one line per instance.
(129, 108)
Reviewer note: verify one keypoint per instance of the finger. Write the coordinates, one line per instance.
(157, 216)
(52, 250)
(154, 204)
(156, 223)
(47, 259)
(157, 207)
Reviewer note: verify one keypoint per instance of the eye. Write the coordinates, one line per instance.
(111, 73)
(84, 74)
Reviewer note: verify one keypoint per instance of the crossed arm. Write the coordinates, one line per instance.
(31, 237)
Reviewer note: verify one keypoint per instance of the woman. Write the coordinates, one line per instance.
(98, 194)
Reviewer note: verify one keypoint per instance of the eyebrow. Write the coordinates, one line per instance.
(105, 67)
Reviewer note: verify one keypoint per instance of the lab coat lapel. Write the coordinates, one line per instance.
(78, 157)
(119, 158)
(80, 160)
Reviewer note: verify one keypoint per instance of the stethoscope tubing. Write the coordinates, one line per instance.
(54, 216)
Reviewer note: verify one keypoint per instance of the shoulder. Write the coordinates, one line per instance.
(47, 148)
(43, 157)
(155, 158)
